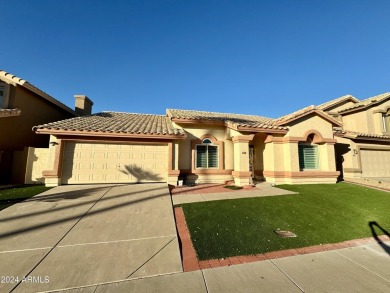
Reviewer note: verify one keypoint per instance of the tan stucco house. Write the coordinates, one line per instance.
(363, 141)
(316, 144)
(22, 105)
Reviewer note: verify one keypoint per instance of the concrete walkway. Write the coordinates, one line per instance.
(73, 236)
(359, 269)
(261, 190)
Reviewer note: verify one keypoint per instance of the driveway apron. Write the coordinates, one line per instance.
(73, 236)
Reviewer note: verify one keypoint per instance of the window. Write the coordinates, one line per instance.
(206, 155)
(2, 89)
(386, 122)
(308, 156)
(3, 95)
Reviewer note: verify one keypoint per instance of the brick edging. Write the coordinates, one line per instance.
(191, 262)
(188, 254)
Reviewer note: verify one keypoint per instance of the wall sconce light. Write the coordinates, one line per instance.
(53, 143)
(355, 152)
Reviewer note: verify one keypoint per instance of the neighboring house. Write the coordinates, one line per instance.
(112, 147)
(363, 142)
(22, 106)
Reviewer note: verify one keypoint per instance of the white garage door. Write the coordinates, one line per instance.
(375, 163)
(114, 163)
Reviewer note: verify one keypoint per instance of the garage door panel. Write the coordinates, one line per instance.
(375, 163)
(99, 155)
(114, 163)
(137, 156)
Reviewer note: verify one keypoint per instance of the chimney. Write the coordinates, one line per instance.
(83, 105)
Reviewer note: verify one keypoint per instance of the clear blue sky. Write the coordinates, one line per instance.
(253, 57)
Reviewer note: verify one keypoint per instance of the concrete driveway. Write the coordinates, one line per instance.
(72, 236)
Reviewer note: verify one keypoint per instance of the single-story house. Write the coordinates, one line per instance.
(316, 144)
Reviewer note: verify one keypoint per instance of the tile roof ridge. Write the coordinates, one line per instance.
(367, 102)
(131, 113)
(379, 96)
(214, 112)
(337, 100)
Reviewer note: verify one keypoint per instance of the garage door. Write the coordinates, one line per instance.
(375, 163)
(114, 163)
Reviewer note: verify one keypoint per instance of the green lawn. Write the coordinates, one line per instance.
(11, 196)
(319, 214)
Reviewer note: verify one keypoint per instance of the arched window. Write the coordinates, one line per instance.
(206, 155)
(308, 154)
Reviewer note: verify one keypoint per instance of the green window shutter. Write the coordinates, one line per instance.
(212, 156)
(308, 158)
(201, 156)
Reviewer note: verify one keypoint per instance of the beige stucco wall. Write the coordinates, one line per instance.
(300, 126)
(37, 161)
(281, 158)
(351, 155)
(35, 111)
(195, 131)
(366, 120)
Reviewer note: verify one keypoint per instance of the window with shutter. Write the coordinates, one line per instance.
(386, 122)
(206, 155)
(308, 156)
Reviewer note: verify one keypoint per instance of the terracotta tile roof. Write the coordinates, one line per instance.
(10, 78)
(303, 112)
(367, 102)
(116, 122)
(228, 118)
(9, 112)
(339, 100)
(355, 134)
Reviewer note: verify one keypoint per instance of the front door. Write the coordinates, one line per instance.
(251, 160)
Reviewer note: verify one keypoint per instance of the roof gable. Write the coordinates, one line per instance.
(14, 80)
(284, 120)
(364, 104)
(234, 121)
(338, 102)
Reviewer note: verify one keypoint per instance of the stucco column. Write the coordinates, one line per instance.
(241, 173)
(275, 157)
(291, 156)
(173, 162)
(53, 174)
(327, 157)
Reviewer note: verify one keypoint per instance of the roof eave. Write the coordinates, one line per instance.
(49, 98)
(17, 81)
(363, 107)
(260, 130)
(350, 98)
(12, 113)
(107, 134)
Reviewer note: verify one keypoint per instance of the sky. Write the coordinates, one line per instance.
(265, 58)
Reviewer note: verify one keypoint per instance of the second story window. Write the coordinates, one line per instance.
(386, 122)
(3, 95)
